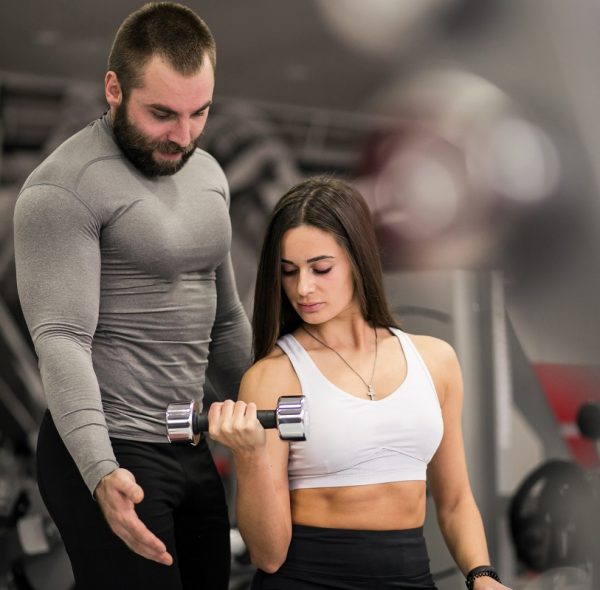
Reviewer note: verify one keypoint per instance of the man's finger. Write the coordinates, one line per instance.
(140, 539)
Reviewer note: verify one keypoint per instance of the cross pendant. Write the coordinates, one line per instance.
(371, 392)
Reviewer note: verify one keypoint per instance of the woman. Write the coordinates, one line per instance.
(345, 509)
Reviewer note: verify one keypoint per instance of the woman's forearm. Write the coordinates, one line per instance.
(464, 534)
(263, 511)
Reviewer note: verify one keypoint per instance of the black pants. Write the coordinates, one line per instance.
(184, 505)
(339, 559)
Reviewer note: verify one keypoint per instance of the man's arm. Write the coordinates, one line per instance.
(57, 255)
(231, 340)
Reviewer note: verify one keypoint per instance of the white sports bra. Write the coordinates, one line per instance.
(354, 441)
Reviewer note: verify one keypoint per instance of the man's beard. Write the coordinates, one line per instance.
(139, 148)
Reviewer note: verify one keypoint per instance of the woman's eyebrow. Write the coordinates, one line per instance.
(310, 260)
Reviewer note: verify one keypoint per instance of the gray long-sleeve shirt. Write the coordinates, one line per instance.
(127, 287)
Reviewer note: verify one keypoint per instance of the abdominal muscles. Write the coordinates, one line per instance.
(386, 506)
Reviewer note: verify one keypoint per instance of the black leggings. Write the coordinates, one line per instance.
(339, 559)
(184, 505)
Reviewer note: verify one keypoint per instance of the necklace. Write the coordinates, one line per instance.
(370, 387)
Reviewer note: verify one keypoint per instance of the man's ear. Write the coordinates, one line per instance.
(112, 90)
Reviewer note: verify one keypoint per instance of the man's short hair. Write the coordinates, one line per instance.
(166, 29)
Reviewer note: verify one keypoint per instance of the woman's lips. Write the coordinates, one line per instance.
(309, 307)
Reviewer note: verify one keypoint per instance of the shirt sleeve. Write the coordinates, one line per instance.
(231, 341)
(57, 255)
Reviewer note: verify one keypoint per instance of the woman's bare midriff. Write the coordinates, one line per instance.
(387, 506)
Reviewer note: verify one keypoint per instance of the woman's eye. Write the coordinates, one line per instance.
(288, 272)
(321, 271)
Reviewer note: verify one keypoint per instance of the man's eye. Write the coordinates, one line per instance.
(160, 116)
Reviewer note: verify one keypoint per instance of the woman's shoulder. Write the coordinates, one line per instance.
(440, 359)
(275, 361)
(433, 348)
(269, 378)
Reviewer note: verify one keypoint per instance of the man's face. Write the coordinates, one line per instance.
(158, 124)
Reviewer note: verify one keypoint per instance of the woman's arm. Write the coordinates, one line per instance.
(458, 516)
(263, 500)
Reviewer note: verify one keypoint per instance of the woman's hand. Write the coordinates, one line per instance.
(236, 426)
(487, 583)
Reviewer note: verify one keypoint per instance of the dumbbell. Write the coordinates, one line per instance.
(290, 417)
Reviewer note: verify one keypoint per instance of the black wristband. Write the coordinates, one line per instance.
(480, 571)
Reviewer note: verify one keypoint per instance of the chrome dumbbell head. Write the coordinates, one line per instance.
(292, 417)
(179, 418)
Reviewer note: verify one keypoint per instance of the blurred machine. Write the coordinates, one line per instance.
(555, 512)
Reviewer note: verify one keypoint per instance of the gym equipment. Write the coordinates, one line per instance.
(32, 556)
(290, 417)
(588, 420)
(552, 515)
(561, 578)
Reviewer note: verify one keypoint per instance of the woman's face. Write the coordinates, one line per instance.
(316, 275)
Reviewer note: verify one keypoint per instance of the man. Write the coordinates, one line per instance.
(122, 240)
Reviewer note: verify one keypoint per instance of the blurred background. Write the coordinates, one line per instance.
(471, 128)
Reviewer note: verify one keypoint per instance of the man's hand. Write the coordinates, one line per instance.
(117, 493)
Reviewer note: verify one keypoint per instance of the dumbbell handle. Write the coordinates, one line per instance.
(268, 419)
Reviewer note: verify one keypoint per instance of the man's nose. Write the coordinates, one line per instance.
(181, 133)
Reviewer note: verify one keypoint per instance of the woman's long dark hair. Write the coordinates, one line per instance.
(335, 207)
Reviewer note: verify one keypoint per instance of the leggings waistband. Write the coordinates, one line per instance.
(398, 534)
